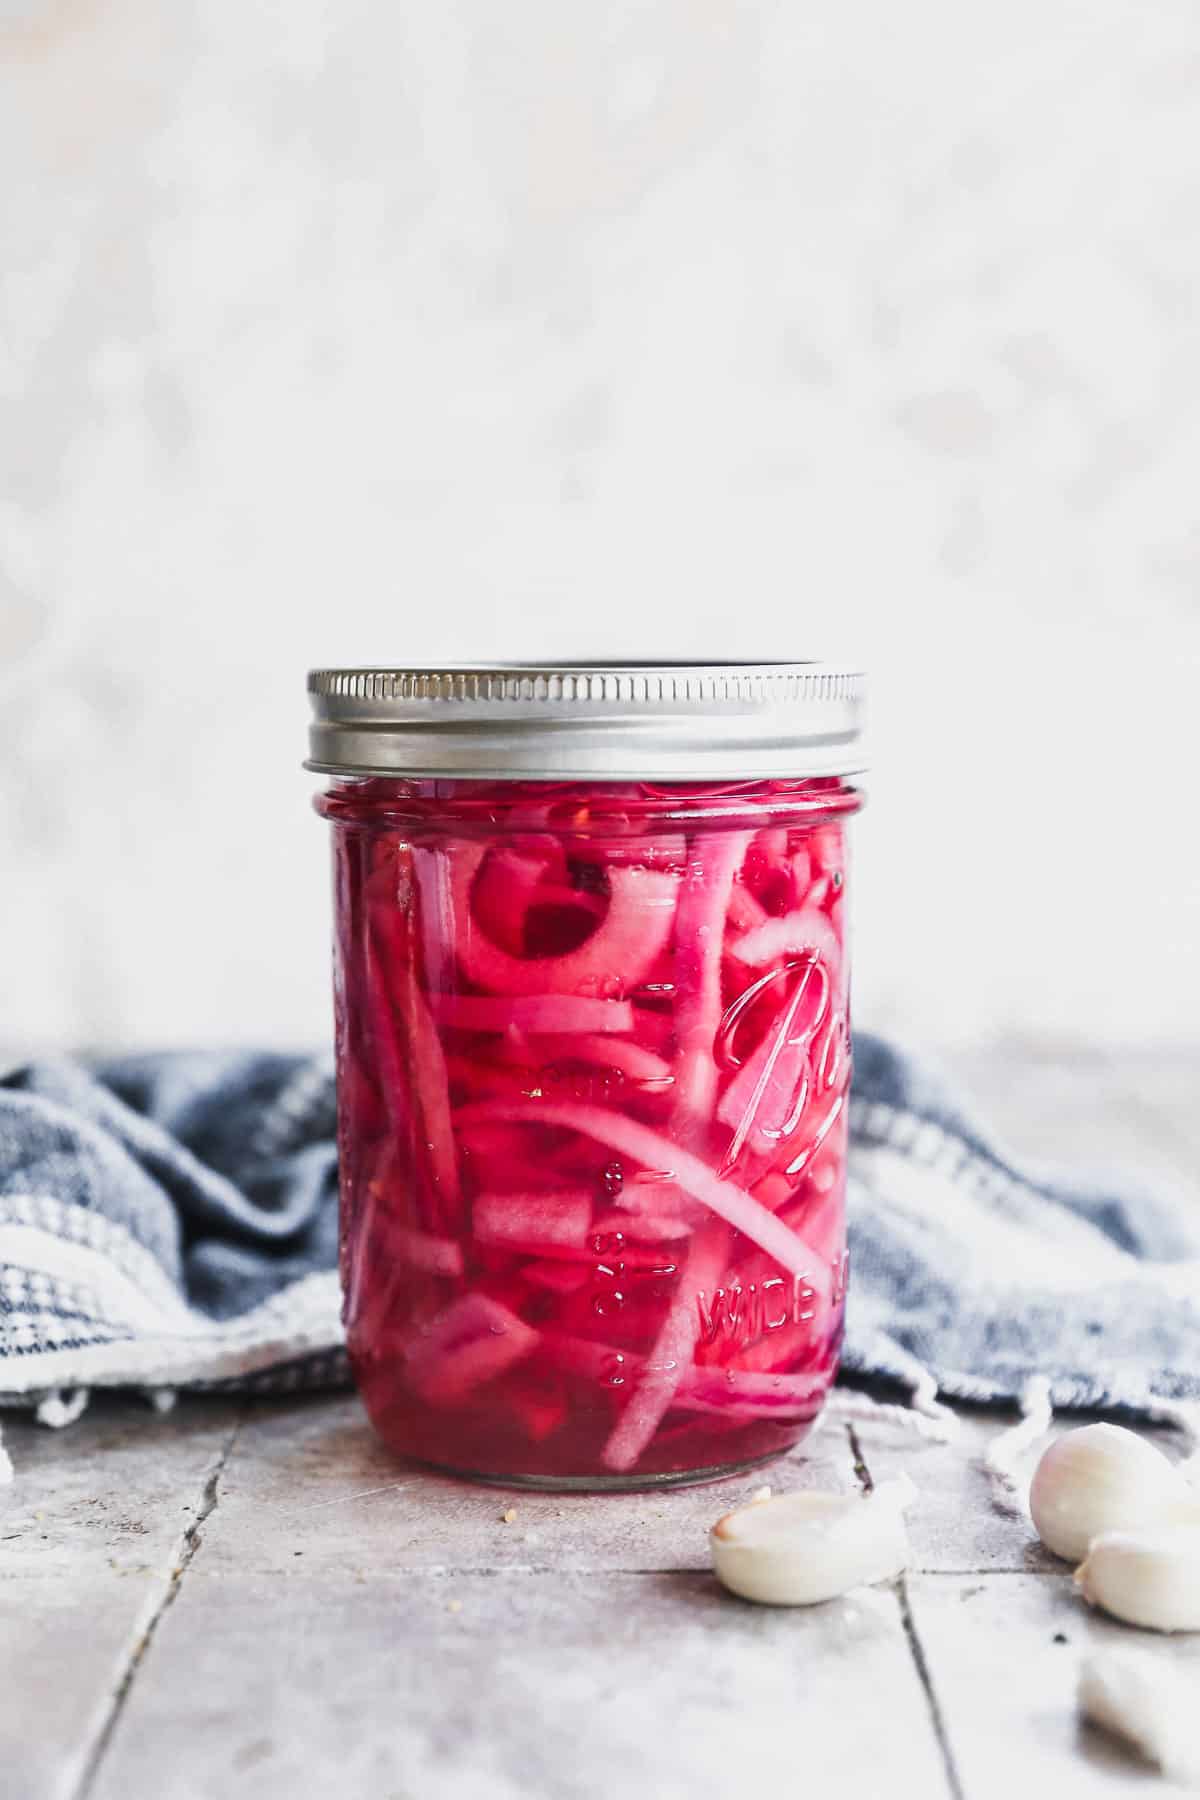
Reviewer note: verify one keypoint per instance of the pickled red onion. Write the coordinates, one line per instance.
(627, 940)
(505, 890)
(699, 944)
(472, 1342)
(628, 1137)
(671, 1353)
(745, 912)
(430, 1082)
(436, 1255)
(533, 1012)
(588, 1097)
(750, 1393)
(532, 1221)
(631, 1059)
(807, 929)
(766, 1097)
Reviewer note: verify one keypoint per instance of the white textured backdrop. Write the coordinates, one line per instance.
(455, 330)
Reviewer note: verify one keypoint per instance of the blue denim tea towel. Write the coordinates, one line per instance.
(169, 1222)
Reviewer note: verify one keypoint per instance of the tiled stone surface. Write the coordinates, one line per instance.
(507, 1686)
(311, 1482)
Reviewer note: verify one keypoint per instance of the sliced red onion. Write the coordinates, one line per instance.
(629, 1137)
(634, 930)
(533, 1013)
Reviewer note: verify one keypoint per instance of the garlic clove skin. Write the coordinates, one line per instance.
(1140, 1699)
(1149, 1578)
(801, 1549)
(1102, 1478)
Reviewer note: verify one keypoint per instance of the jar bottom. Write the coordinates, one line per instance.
(482, 1447)
(611, 1484)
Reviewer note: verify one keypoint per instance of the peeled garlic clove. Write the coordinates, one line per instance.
(799, 1549)
(1102, 1478)
(1149, 1578)
(1140, 1699)
(1182, 1508)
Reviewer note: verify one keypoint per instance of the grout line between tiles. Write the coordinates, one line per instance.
(912, 1637)
(925, 1677)
(185, 1553)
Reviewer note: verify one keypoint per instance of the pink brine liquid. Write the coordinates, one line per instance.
(593, 1074)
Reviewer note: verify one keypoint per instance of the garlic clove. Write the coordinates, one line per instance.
(1140, 1699)
(1149, 1578)
(800, 1549)
(1182, 1509)
(1102, 1478)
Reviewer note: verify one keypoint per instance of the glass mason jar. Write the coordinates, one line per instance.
(592, 1018)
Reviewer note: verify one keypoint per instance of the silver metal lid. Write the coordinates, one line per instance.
(589, 721)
